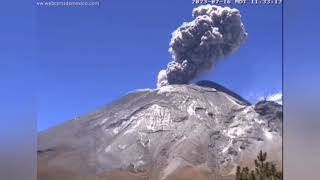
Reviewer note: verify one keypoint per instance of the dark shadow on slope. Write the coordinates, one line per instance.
(218, 87)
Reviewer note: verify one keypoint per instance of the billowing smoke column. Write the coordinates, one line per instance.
(196, 46)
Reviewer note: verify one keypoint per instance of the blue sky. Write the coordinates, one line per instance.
(89, 57)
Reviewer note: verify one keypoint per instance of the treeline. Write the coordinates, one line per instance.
(264, 170)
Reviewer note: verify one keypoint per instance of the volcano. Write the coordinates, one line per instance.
(199, 131)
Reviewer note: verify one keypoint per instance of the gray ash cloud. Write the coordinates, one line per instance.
(214, 33)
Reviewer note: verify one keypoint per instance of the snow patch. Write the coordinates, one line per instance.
(166, 89)
(122, 147)
(134, 127)
(225, 149)
(116, 130)
(108, 149)
(268, 134)
(159, 118)
(236, 131)
(141, 90)
(103, 121)
(190, 109)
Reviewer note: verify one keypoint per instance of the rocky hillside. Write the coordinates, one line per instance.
(175, 132)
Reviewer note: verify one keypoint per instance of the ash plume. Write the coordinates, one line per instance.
(215, 33)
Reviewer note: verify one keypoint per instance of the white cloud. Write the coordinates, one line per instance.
(277, 97)
(140, 90)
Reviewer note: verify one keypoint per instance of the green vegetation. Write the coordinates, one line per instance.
(264, 170)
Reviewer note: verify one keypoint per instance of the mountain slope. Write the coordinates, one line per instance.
(174, 132)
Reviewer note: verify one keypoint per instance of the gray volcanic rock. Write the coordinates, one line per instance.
(174, 132)
(218, 87)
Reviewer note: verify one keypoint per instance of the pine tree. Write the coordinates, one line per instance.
(264, 170)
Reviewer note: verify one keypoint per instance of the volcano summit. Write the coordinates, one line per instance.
(174, 132)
